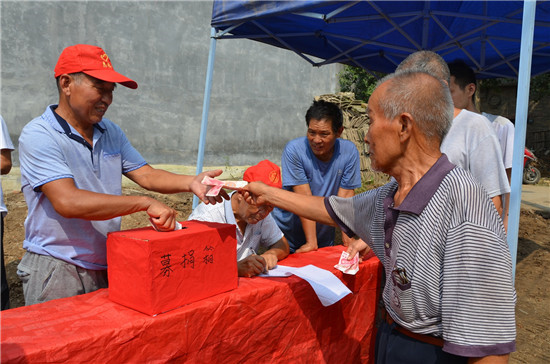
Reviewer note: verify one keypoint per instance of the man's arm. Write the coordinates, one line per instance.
(162, 181)
(309, 226)
(348, 241)
(72, 202)
(342, 192)
(486, 164)
(5, 160)
(276, 252)
(506, 201)
(497, 201)
(309, 207)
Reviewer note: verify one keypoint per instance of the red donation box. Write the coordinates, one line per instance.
(154, 272)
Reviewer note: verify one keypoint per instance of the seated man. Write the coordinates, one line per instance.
(255, 226)
(319, 164)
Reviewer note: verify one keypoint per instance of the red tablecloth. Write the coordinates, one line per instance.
(265, 320)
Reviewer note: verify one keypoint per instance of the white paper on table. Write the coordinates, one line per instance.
(279, 271)
(326, 285)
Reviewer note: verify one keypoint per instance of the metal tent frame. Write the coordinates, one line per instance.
(496, 38)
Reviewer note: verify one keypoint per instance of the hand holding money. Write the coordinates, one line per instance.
(347, 264)
(217, 185)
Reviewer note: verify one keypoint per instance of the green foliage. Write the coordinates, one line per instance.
(358, 81)
(362, 83)
(540, 87)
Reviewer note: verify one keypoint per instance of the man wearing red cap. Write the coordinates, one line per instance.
(255, 226)
(72, 160)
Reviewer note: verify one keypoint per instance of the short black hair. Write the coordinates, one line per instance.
(463, 74)
(326, 110)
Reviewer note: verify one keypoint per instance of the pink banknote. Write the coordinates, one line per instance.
(347, 265)
(217, 185)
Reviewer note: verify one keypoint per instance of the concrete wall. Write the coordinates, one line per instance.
(260, 93)
(502, 100)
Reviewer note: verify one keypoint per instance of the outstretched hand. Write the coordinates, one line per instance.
(200, 190)
(254, 193)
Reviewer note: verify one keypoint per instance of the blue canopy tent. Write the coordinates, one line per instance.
(496, 38)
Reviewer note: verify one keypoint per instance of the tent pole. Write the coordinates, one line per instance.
(205, 107)
(522, 104)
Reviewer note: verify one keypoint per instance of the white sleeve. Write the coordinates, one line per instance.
(209, 213)
(508, 149)
(270, 232)
(487, 167)
(5, 140)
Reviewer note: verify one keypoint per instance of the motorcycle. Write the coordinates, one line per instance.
(531, 175)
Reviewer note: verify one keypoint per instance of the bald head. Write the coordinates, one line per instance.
(423, 96)
(428, 62)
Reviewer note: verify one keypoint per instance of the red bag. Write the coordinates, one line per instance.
(154, 272)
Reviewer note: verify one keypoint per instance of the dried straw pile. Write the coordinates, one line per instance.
(355, 128)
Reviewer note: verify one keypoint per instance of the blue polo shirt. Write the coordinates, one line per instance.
(300, 166)
(50, 149)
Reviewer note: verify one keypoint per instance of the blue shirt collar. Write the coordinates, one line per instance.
(67, 128)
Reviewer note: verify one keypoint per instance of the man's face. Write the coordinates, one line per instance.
(321, 138)
(382, 137)
(90, 98)
(461, 97)
(253, 214)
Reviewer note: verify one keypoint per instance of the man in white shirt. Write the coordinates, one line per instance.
(463, 87)
(470, 142)
(6, 146)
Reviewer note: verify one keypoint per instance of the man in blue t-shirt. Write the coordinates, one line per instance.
(319, 164)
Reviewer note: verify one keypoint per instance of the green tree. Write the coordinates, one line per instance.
(362, 83)
(540, 87)
(358, 81)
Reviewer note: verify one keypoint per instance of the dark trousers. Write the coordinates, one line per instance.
(5, 288)
(393, 347)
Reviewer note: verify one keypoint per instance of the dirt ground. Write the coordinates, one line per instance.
(532, 282)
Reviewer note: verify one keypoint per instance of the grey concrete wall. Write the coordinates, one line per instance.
(260, 93)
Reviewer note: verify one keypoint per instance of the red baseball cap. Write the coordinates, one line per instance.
(92, 61)
(266, 172)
